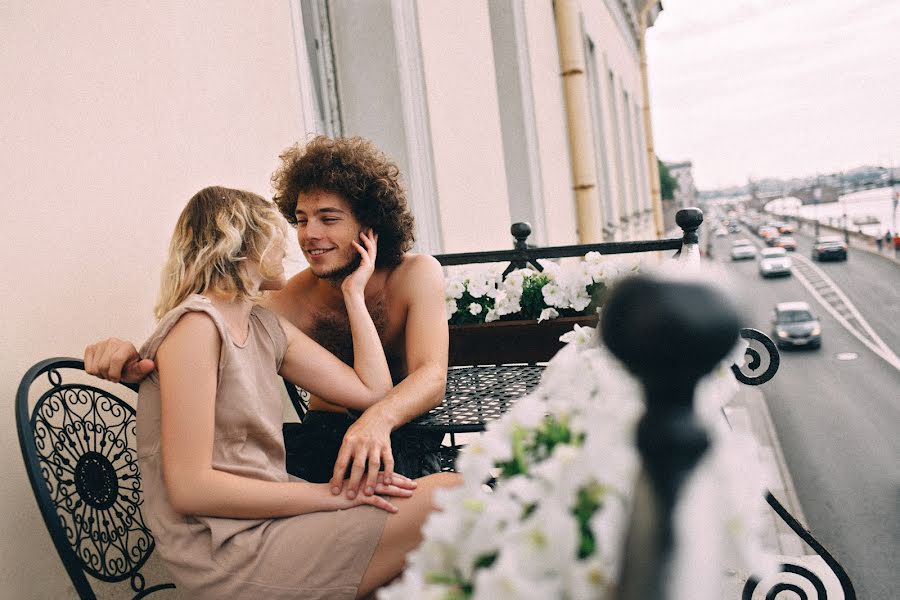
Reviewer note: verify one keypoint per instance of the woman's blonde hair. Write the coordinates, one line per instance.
(219, 229)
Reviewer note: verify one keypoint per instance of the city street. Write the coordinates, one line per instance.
(837, 409)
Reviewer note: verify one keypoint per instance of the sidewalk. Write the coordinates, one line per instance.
(748, 413)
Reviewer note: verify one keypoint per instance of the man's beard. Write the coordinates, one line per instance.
(338, 274)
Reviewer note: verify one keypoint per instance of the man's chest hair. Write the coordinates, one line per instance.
(331, 329)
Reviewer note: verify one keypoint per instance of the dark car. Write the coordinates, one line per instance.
(829, 247)
(794, 325)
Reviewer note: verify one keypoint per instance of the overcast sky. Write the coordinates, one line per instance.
(775, 87)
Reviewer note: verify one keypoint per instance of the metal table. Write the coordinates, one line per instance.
(475, 396)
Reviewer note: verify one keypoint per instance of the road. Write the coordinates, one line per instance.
(837, 412)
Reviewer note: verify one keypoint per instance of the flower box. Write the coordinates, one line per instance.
(516, 341)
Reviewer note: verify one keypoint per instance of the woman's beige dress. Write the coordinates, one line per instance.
(318, 555)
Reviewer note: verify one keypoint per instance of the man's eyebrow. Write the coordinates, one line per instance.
(324, 209)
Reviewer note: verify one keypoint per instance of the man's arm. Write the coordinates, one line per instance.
(114, 359)
(367, 442)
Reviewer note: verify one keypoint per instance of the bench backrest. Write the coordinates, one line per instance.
(79, 447)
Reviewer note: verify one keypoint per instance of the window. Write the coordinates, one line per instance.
(595, 98)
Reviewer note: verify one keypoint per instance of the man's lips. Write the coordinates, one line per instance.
(318, 251)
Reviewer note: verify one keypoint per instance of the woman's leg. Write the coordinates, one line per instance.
(403, 531)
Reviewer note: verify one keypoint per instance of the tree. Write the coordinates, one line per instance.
(667, 183)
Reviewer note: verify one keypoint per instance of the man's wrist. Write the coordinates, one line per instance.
(380, 412)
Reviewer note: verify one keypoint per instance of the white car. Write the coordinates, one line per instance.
(774, 262)
(742, 251)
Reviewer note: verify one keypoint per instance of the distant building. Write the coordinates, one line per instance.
(686, 193)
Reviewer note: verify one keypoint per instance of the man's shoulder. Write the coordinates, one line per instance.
(415, 270)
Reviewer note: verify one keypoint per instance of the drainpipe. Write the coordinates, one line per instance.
(578, 119)
(655, 193)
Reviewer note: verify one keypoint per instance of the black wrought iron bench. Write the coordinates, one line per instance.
(78, 444)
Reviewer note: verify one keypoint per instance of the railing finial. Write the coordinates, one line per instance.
(520, 231)
(689, 219)
(669, 334)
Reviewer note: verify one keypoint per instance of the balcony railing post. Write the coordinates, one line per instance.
(689, 219)
(669, 334)
(520, 231)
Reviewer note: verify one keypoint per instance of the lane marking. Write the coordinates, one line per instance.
(876, 344)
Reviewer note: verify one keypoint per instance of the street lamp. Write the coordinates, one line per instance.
(846, 233)
(817, 195)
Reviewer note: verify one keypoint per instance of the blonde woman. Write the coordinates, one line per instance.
(228, 520)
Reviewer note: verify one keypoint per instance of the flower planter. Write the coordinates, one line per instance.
(511, 341)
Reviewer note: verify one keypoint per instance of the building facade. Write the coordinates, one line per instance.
(497, 111)
(686, 192)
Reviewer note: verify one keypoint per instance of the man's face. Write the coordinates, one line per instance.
(325, 229)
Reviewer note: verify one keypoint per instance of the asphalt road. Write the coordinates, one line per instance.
(838, 420)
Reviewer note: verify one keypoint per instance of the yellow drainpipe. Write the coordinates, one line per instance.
(578, 120)
(655, 193)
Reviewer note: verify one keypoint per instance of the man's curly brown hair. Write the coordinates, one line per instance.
(357, 171)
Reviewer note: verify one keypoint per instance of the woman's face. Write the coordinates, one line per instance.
(272, 268)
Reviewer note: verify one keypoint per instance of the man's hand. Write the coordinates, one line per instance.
(367, 446)
(114, 359)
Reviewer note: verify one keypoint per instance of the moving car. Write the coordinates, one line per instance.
(767, 231)
(774, 262)
(829, 247)
(785, 241)
(793, 324)
(742, 249)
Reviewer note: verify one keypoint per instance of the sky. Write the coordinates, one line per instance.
(775, 88)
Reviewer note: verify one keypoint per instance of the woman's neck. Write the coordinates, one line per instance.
(235, 312)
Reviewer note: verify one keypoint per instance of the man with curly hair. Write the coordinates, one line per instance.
(332, 190)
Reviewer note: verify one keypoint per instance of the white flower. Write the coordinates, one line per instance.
(491, 315)
(547, 314)
(454, 289)
(579, 300)
(479, 287)
(581, 336)
(546, 542)
(505, 580)
(451, 309)
(588, 579)
(554, 295)
(507, 304)
(475, 308)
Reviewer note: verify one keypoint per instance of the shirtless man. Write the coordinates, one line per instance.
(333, 189)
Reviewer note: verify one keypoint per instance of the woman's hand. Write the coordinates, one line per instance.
(400, 487)
(355, 282)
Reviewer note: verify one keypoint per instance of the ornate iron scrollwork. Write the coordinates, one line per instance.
(761, 358)
(85, 442)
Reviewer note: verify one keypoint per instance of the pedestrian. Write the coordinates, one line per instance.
(878, 242)
(887, 239)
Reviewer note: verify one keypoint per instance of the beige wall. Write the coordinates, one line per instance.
(465, 125)
(617, 53)
(549, 109)
(113, 115)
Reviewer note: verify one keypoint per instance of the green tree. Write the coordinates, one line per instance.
(667, 183)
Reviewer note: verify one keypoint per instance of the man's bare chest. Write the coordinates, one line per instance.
(331, 329)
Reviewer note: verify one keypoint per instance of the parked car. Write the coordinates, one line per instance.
(829, 247)
(774, 262)
(786, 228)
(742, 249)
(793, 324)
(785, 241)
